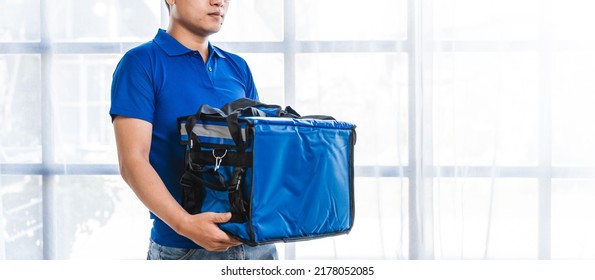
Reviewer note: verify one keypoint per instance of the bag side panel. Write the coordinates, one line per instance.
(302, 181)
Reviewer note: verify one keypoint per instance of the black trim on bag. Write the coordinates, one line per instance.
(241, 159)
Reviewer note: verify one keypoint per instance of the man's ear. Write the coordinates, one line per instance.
(168, 4)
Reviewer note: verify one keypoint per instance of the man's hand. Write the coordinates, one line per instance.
(203, 230)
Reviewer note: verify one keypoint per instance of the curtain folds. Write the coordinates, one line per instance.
(498, 92)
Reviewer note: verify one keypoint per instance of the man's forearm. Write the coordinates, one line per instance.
(150, 189)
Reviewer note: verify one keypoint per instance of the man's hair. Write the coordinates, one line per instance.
(167, 5)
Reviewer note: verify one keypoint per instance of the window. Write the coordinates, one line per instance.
(60, 193)
(473, 122)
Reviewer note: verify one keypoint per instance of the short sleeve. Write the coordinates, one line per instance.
(132, 93)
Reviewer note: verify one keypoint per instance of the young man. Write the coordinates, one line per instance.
(153, 85)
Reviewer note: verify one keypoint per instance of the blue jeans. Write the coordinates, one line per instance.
(241, 252)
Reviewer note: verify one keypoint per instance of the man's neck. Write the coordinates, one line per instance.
(191, 41)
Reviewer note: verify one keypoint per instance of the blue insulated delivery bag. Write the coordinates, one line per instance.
(284, 177)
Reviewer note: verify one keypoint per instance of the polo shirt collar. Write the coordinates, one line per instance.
(215, 51)
(173, 48)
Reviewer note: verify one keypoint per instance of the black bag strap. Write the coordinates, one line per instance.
(233, 123)
(191, 120)
(237, 202)
(192, 180)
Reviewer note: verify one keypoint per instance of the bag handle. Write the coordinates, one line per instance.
(241, 103)
(245, 107)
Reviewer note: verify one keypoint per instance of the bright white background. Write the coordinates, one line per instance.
(474, 122)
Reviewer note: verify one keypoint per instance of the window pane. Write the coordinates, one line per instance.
(486, 108)
(81, 93)
(572, 109)
(486, 20)
(99, 217)
(19, 20)
(21, 221)
(572, 19)
(380, 229)
(369, 90)
(572, 219)
(252, 20)
(20, 109)
(331, 20)
(104, 20)
(485, 218)
(268, 73)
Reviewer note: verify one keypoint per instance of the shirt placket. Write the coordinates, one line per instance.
(206, 70)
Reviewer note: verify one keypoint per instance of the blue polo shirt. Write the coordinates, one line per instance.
(162, 80)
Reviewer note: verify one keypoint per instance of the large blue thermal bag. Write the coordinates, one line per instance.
(283, 177)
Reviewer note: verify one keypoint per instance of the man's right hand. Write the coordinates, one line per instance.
(203, 229)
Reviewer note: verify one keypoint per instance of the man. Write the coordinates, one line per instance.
(153, 85)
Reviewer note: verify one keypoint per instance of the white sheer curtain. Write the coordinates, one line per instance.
(506, 98)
